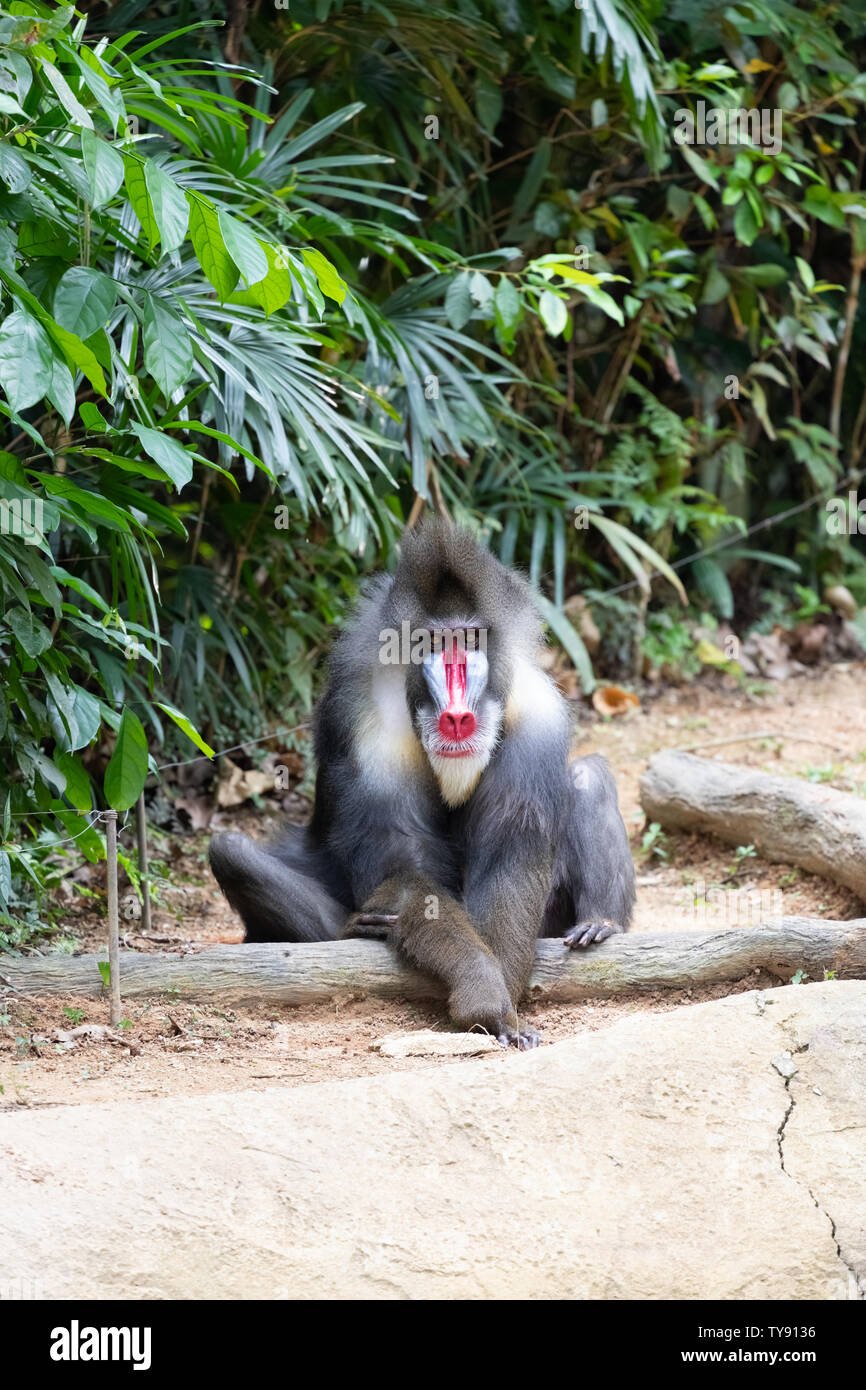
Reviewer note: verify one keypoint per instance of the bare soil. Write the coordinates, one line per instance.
(169, 1048)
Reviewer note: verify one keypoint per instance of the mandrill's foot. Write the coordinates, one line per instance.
(585, 933)
(524, 1039)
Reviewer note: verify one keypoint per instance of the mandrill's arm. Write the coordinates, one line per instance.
(402, 879)
(514, 825)
(432, 930)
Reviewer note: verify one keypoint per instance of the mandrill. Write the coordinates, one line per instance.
(447, 818)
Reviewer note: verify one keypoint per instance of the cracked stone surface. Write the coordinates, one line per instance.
(663, 1157)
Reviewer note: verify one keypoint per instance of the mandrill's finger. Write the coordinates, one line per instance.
(375, 925)
(586, 933)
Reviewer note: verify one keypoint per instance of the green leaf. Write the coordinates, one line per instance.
(209, 247)
(14, 169)
(9, 106)
(167, 346)
(95, 77)
(506, 303)
(84, 300)
(169, 205)
(136, 189)
(188, 728)
(488, 102)
(807, 275)
(104, 168)
(716, 287)
(80, 586)
(127, 771)
(745, 224)
(68, 100)
(172, 458)
(88, 718)
(78, 790)
(625, 543)
(701, 166)
(274, 290)
(244, 248)
(25, 360)
(33, 636)
(481, 291)
(78, 355)
(553, 311)
(60, 390)
(92, 504)
(330, 282)
(5, 880)
(75, 715)
(93, 418)
(458, 301)
(602, 300)
(530, 186)
(570, 640)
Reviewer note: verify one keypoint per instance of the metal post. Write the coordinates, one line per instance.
(141, 832)
(113, 936)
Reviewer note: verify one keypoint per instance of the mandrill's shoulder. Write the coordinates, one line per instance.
(535, 705)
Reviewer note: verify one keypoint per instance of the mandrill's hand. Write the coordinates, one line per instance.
(375, 926)
(376, 921)
(585, 933)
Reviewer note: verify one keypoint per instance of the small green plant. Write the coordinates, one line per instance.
(668, 642)
(654, 843)
(799, 977)
(810, 604)
(125, 1023)
(789, 879)
(827, 773)
(741, 855)
(105, 972)
(74, 1015)
(829, 974)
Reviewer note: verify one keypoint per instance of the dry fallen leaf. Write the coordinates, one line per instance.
(236, 785)
(610, 699)
(199, 809)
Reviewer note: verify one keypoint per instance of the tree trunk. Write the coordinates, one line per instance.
(788, 821)
(307, 974)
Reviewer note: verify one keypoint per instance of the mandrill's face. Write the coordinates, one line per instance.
(457, 719)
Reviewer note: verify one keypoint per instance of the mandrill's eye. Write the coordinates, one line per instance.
(453, 643)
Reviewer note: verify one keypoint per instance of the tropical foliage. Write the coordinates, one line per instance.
(264, 284)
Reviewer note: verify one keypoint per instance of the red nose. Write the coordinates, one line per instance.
(457, 727)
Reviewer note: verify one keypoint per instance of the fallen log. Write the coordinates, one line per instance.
(277, 973)
(788, 821)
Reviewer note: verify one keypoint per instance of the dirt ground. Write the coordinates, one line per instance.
(813, 726)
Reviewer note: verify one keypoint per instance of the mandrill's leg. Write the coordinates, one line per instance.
(595, 892)
(277, 902)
